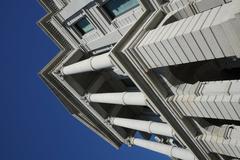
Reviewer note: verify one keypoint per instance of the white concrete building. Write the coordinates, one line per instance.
(163, 68)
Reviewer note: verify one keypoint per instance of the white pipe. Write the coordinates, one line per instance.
(168, 150)
(91, 64)
(124, 98)
(145, 126)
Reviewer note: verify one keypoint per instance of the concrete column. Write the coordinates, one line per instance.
(91, 64)
(168, 150)
(145, 126)
(124, 98)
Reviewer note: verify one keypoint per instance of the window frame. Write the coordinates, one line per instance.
(80, 30)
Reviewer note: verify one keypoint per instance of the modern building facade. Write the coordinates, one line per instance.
(167, 69)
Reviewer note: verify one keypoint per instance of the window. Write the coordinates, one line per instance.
(84, 26)
(118, 7)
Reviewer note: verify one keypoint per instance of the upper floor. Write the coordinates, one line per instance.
(97, 25)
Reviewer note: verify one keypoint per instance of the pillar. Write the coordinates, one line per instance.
(124, 98)
(91, 64)
(168, 150)
(145, 126)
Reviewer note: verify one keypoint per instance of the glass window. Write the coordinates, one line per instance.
(84, 26)
(117, 7)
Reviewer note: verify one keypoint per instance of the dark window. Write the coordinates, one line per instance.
(84, 26)
(118, 7)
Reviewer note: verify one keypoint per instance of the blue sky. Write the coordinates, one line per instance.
(33, 123)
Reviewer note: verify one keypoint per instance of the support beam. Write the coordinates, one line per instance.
(168, 150)
(145, 126)
(91, 64)
(124, 98)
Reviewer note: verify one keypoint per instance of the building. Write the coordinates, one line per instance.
(163, 68)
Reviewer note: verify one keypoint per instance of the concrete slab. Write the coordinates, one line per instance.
(201, 107)
(235, 103)
(168, 47)
(182, 42)
(199, 37)
(223, 109)
(208, 35)
(191, 41)
(160, 46)
(214, 107)
(155, 50)
(207, 107)
(227, 103)
(175, 44)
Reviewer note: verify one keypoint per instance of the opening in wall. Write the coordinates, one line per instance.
(115, 8)
(83, 26)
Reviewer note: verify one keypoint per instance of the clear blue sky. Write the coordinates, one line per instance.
(33, 123)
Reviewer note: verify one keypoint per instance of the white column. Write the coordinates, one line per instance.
(124, 98)
(168, 150)
(145, 126)
(91, 64)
